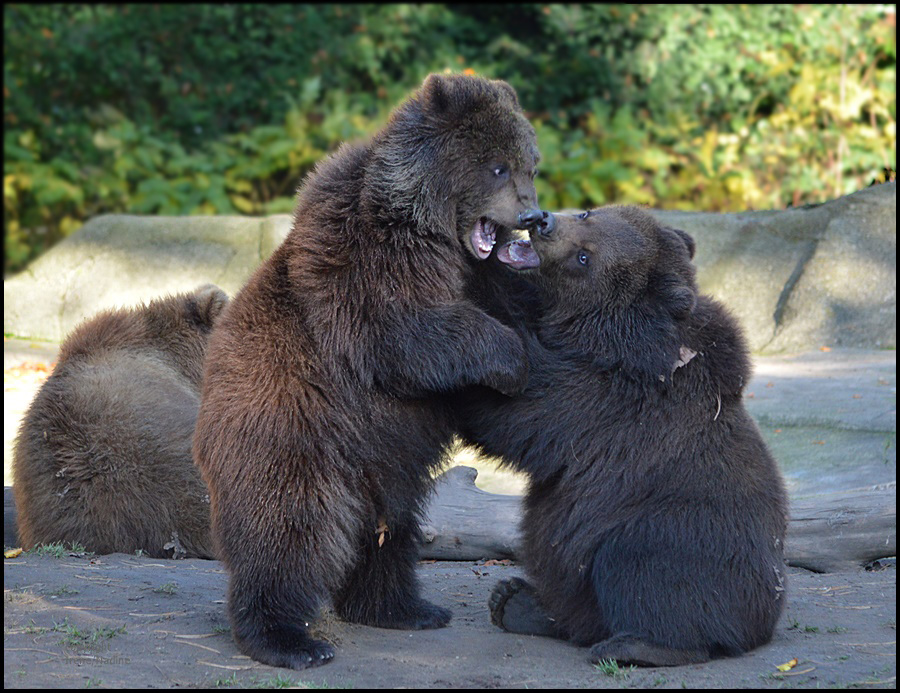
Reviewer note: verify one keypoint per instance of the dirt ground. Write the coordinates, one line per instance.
(120, 621)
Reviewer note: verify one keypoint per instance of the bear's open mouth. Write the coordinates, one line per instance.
(519, 255)
(483, 237)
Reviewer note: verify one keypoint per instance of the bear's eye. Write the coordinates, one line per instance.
(583, 258)
(583, 215)
(500, 171)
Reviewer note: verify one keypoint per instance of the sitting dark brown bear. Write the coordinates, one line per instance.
(103, 455)
(655, 517)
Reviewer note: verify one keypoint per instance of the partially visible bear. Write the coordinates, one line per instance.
(103, 455)
(655, 517)
(325, 404)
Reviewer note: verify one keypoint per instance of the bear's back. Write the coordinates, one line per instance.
(103, 454)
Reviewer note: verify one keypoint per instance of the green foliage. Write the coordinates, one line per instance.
(58, 549)
(222, 109)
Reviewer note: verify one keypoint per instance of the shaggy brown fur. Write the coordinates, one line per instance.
(103, 455)
(324, 411)
(655, 517)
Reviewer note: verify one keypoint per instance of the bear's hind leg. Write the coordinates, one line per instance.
(382, 590)
(515, 608)
(626, 648)
(271, 625)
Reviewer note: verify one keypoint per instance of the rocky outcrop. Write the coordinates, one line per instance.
(807, 277)
(797, 279)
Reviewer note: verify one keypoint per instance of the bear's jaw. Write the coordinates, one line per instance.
(483, 237)
(519, 255)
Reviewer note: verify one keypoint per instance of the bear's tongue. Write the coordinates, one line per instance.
(519, 255)
(483, 237)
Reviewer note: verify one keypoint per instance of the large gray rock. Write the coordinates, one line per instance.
(805, 277)
(122, 260)
(796, 279)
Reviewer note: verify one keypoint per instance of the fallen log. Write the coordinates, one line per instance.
(826, 532)
(464, 523)
(831, 531)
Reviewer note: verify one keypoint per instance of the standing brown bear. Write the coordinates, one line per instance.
(324, 407)
(655, 517)
(103, 455)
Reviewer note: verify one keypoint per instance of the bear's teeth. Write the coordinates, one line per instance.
(483, 238)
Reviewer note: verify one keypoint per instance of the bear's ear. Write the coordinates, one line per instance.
(458, 94)
(685, 238)
(436, 93)
(205, 305)
(508, 90)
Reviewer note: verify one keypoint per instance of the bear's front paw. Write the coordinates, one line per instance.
(510, 376)
(509, 383)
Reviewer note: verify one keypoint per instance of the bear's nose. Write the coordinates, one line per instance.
(537, 220)
(530, 218)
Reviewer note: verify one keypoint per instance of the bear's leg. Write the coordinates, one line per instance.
(382, 590)
(270, 623)
(641, 590)
(626, 648)
(515, 608)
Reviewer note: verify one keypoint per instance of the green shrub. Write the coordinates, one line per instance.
(222, 109)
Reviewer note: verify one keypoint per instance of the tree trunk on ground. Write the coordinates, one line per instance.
(826, 532)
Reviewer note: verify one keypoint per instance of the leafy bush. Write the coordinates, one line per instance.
(222, 109)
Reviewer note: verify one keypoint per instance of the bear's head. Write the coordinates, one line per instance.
(610, 259)
(180, 325)
(184, 317)
(613, 278)
(459, 157)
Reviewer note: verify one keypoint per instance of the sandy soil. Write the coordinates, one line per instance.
(123, 621)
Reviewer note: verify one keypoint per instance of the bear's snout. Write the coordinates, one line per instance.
(537, 221)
